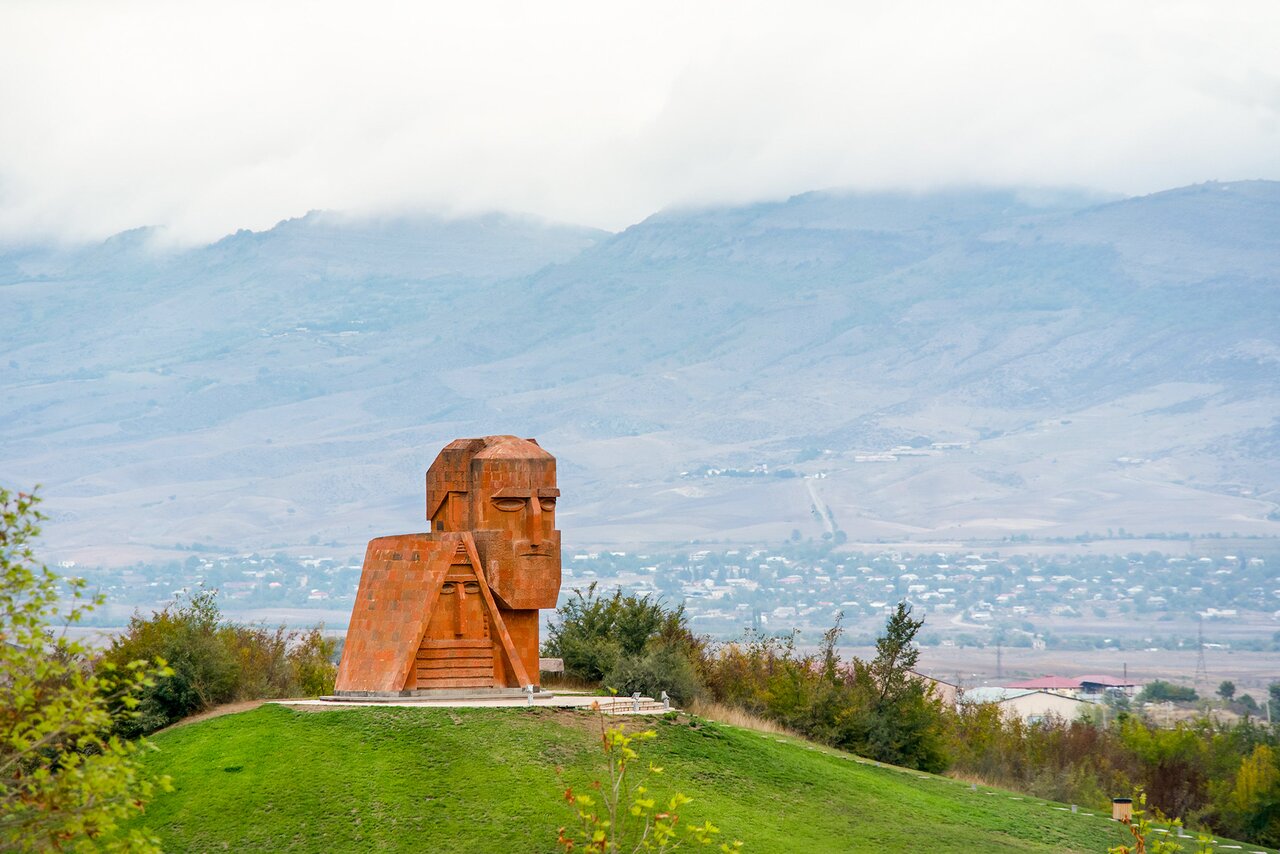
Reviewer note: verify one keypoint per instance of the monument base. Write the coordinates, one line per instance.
(429, 694)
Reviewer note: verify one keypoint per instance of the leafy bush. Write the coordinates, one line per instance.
(1251, 804)
(214, 661)
(585, 635)
(877, 708)
(312, 659)
(659, 668)
(187, 636)
(629, 643)
(1224, 777)
(65, 782)
(1161, 691)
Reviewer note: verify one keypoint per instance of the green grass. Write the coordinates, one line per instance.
(484, 780)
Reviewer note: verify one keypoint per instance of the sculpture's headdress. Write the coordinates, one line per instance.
(464, 464)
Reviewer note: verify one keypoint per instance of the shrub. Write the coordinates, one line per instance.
(186, 635)
(1161, 691)
(584, 636)
(875, 708)
(64, 781)
(630, 643)
(312, 659)
(1251, 803)
(214, 661)
(659, 668)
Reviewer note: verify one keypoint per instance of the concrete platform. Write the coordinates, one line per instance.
(432, 694)
(608, 705)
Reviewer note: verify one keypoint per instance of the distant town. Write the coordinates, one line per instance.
(969, 598)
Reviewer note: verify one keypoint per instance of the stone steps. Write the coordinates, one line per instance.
(630, 706)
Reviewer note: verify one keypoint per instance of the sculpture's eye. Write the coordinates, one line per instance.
(447, 588)
(548, 504)
(509, 504)
(471, 587)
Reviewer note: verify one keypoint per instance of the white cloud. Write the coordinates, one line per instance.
(210, 117)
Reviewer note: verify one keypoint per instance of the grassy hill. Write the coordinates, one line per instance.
(484, 780)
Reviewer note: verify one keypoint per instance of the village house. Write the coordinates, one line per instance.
(1031, 706)
(1091, 687)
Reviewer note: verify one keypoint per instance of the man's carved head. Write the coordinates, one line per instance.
(503, 490)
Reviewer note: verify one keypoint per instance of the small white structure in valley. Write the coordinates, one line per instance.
(1030, 705)
(1091, 687)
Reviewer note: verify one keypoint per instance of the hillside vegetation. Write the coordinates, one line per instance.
(484, 780)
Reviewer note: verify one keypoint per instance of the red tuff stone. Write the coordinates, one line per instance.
(457, 606)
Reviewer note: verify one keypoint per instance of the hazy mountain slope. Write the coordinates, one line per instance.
(1108, 363)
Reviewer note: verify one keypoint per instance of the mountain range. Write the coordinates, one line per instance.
(961, 365)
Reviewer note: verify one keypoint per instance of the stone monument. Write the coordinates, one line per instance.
(456, 608)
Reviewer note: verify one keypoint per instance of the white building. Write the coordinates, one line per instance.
(1031, 706)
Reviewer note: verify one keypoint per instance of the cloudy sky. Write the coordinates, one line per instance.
(208, 117)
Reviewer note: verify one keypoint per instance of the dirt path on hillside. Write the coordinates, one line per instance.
(216, 712)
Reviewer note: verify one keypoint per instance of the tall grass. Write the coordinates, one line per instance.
(734, 716)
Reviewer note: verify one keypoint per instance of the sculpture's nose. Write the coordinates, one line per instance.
(535, 521)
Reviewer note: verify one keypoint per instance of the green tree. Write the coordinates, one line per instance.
(894, 717)
(635, 620)
(1161, 691)
(312, 658)
(65, 782)
(629, 643)
(584, 635)
(1227, 690)
(896, 653)
(1254, 799)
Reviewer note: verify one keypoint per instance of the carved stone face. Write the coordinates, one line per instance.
(503, 490)
(513, 510)
(459, 613)
(524, 516)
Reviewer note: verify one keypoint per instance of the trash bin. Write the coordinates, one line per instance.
(1122, 809)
